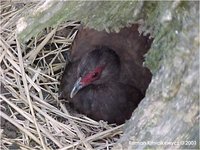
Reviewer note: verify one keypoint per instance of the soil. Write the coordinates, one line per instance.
(9, 130)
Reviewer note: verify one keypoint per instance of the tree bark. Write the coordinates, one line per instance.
(168, 117)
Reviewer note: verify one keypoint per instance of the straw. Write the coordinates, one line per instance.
(30, 75)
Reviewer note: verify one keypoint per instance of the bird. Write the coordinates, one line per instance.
(105, 78)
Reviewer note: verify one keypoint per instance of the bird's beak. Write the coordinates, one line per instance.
(77, 86)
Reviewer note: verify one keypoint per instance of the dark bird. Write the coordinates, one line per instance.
(105, 78)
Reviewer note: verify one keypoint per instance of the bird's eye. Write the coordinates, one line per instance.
(94, 75)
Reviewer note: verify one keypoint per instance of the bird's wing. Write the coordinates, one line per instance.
(128, 44)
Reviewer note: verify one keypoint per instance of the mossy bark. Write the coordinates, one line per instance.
(170, 110)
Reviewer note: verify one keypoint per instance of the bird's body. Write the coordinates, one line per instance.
(105, 79)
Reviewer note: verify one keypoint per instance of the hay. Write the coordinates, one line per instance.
(30, 77)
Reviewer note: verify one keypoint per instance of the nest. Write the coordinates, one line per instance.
(31, 114)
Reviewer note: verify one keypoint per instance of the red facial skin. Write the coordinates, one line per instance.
(92, 76)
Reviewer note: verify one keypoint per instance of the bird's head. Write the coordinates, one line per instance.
(100, 66)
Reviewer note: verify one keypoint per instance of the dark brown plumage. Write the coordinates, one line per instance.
(105, 79)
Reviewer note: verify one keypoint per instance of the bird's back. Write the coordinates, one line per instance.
(128, 44)
(113, 102)
(121, 97)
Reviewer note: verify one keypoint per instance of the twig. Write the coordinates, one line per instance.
(27, 93)
(80, 134)
(34, 53)
(93, 137)
(2, 114)
(27, 116)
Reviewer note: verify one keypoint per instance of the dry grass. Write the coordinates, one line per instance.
(30, 76)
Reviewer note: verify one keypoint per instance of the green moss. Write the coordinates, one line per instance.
(113, 15)
(166, 34)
